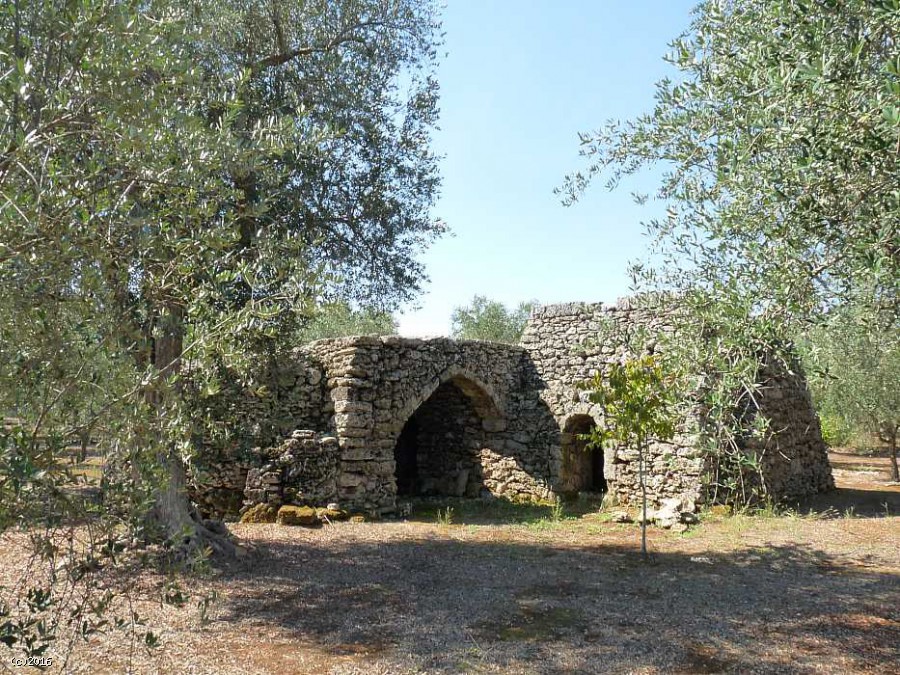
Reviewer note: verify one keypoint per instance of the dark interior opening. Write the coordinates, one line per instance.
(582, 467)
(405, 455)
(437, 452)
(598, 479)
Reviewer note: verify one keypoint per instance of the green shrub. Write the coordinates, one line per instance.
(835, 430)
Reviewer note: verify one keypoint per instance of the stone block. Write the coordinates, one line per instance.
(351, 480)
(352, 407)
(260, 513)
(329, 514)
(352, 421)
(297, 515)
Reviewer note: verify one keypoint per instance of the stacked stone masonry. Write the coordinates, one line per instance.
(364, 422)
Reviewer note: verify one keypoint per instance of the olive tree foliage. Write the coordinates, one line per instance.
(854, 362)
(339, 319)
(180, 183)
(491, 320)
(779, 136)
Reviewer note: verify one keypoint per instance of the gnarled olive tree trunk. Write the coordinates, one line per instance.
(173, 513)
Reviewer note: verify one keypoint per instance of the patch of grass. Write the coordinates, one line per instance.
(479, 511)
(690, 533)
(545, 525)
(603, 517)
(557, 513)
(737, 525)
(770, 509)
(541, 516)
(445, 516)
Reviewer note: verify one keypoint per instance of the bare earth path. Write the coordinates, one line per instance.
(811, 594)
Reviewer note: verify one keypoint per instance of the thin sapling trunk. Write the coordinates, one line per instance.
(895, 470)
(643, 499)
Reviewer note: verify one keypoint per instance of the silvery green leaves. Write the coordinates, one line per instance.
(781, 150)
(180, 184)
(778, 135)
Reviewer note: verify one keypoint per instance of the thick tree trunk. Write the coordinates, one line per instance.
(173, 514)
(179, 521)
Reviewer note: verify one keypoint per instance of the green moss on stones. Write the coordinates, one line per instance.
(331, 515)
(260, 513)
(297, 515)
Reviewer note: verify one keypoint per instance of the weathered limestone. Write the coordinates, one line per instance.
(259, 414)
(569, 343)
(355, 422)
(793, 454)
(432, 414)
(302, 470)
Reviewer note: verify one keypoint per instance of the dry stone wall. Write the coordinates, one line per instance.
(248, 414)
(569, 343)
(365, 421)
(793, 456)
(377, 384)
(303, 470)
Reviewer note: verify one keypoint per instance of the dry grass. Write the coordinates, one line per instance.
(815, 593)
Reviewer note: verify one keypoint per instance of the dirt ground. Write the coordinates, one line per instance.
(523, 591)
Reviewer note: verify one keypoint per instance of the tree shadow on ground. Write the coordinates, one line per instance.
(435, 603)
(859, 502)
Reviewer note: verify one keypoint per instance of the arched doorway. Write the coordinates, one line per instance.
(438, 449)
(582, 467)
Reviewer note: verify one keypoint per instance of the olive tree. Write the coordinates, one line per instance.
(779, 133)
(779, 136)
(486, 319)
(180, 184)
(339, 319)
(855, 361)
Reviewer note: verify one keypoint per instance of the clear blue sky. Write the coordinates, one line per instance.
(520, 80)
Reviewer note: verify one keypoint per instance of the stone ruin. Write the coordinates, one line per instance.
(365, 422)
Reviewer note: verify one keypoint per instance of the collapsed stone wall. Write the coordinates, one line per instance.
(245, 415)
(302, 470)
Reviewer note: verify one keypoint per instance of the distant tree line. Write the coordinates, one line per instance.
(485, 319)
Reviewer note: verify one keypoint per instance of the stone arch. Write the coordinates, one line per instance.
(582, 469)
(482, 394)
(443, 433)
